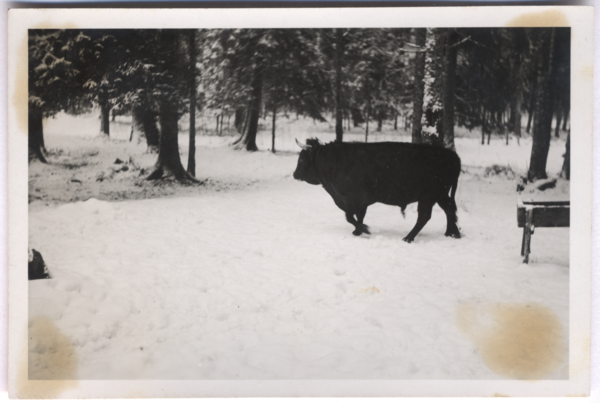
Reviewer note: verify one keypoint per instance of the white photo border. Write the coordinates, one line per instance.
(579, 18)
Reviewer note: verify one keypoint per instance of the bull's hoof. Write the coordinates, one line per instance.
(408, 240)
(455, 235)
(356, 232)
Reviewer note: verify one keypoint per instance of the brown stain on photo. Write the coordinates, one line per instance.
(49, 365)
(517, 341)
(550, 18)
(370, 290)
(21, 94)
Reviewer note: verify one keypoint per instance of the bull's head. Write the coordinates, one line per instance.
(306, 169)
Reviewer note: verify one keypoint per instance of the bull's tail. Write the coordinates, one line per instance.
(453, 194)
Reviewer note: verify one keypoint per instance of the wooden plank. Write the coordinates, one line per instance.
(547, 203)
(558, 216)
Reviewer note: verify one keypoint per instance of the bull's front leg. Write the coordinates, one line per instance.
(359, 227)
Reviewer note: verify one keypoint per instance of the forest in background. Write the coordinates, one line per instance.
(430, 80)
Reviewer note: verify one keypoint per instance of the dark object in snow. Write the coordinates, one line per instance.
(76, 181)
(118, 161)
(357, 175)
(541, 185)
(124, 168)
(544, 184)
(532, 214)
(37, 268)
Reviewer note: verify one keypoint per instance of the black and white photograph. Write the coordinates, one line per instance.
(300, 201)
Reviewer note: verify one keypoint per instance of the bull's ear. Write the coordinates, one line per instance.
(302, 146)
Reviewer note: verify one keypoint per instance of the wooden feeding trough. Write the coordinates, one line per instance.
(533, 214)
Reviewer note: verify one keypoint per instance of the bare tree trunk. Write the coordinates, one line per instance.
(273, 129)
(35, 129)
(419, 89)
(168, 164)
(566, 116)
(367, 111)
(448, 89)
(104, 115)
(517, 117)
(542, 128)
(565, 172)
(519, 43)
(558, 120)
(339, 50)
(482, 127)
(191, 165)
(532, 102)
(144, 120)
(247, 140)
(239, 119)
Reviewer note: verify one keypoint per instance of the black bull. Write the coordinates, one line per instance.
(357, 175)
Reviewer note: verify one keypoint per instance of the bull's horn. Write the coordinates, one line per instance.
(320, 142)
(302, 146)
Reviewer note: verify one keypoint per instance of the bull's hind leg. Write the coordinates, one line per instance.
(449, 208)
(424, 210)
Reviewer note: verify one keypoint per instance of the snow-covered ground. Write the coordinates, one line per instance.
(265, 280)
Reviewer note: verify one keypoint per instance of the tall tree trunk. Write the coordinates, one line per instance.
(367, 111)
(565, 172)
(104, 115)
(558, 120)
(191, 165)
(348, 120)
(247, 140)
(519, 43)
(419, 88)
(448, 89)
(517, 116)
(483, 128)
(239, 119)
(273, 129)
(339, 50)
(144, 120)
(542, 127)
(566, 115)
(379, 122)
(35, 129)
(532, 102)
(168, 164)
(396, 121)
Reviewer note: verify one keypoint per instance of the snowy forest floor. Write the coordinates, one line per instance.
(254, 275)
